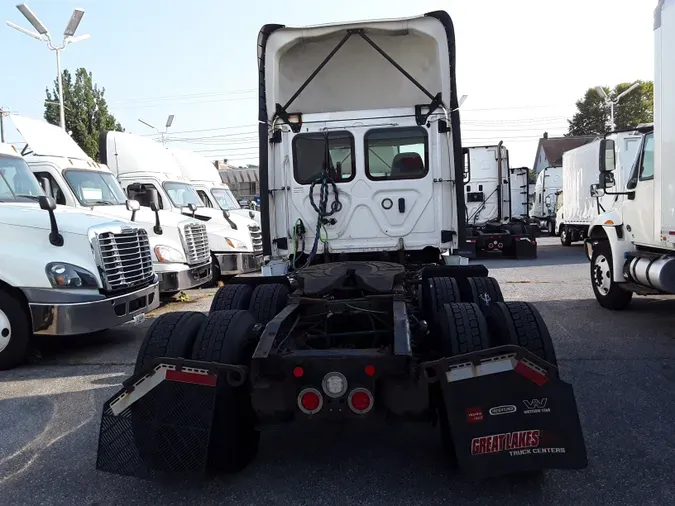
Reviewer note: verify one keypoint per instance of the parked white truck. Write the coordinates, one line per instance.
(581, 201)
(206, 180)
(496, 204)
(179, 245)
(151, 175)
(549, 182)
(633, 245)
(63, 271)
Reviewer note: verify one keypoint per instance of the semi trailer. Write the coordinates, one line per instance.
(496, 197)
(368, 310)
(632, 245)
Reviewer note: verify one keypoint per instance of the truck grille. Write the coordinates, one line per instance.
(125, 259)
(196, 243)
(256, 237)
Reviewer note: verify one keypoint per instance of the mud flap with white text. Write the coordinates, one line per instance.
(158, 425)
(509, 412)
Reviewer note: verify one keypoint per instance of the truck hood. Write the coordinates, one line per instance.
(242, 220)
(246, 213)
(68, 219)
(144, 216)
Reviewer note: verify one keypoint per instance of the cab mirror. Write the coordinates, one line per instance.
(467, 165)
(606, 180)
(46, 203)
(133, 205)
(596, 191)
(154, 207)
(607, 155)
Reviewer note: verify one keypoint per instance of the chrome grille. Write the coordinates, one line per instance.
(256, 237)
(196, 243)
(125, 258)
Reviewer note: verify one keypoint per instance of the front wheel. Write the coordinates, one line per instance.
(15, 331)
(609, 294)
(565, 236)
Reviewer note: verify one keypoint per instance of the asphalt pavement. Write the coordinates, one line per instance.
(622, 367)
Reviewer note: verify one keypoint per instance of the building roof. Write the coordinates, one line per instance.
(231, 176)
(555, 147)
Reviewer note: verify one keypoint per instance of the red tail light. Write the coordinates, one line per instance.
(500, 245)
(490, 245)
(360, 401)
(310, 401)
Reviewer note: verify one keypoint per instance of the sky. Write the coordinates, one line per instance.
(522, 63)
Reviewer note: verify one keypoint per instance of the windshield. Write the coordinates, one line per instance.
(225, 199)
(183, 194)
(95, 188)
(17, 182)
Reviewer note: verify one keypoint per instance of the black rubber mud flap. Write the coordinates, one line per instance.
(158, 425)
(509, 412)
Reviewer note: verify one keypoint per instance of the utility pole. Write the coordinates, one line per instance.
(2, 124)
(169, 121)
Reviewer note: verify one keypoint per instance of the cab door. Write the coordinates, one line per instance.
(639, 210)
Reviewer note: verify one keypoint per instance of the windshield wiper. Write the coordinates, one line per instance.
(32, 197)
(102, 203)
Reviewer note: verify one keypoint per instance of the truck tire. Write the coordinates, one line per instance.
(482, 291)
(225, 338)
(15, 331)
(232, 296)
(461, 328)
(521, 324)
(267, 301)
(608, 293)
(565, 236)
(437, 292)
(170, 335)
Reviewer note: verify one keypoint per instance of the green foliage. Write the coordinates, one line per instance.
(86, 110)
(593, 115)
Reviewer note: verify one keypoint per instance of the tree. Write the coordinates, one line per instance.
(86, 110)
(592, 117)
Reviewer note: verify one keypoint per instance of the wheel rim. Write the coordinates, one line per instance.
(5, 330)
(563, 235)
(602, 274)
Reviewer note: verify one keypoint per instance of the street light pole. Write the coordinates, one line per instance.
(43, 35)
(169, 121)
(613, 102)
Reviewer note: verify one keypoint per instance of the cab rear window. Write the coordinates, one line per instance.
(311, 158)
(396, 153)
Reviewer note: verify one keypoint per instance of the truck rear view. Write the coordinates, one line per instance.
(361, 176)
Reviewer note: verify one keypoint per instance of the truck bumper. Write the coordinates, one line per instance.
(185, 278)
(85, 317)
(238, 263)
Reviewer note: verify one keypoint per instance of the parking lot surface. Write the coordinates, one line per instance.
(622, 367)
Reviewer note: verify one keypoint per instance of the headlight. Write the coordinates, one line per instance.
(234, 243)
(169, 255)
(62, 275)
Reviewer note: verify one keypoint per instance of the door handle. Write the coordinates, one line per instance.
(401, 205)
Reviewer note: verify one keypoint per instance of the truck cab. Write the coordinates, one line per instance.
(632, 245)
(147, 170)
(206, 180)
(61, 273)
(549, 181)
(179, 245)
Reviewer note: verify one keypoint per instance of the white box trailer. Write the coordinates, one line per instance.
(496, 203)
(581, 166)
(632, 245)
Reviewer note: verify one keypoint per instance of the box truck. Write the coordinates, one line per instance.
(549, 182)
(632, 245)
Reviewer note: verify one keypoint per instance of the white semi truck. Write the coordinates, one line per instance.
(496, 204)
(64, 271)
(361, 174)
(179, 244)
(206, 180)
(633, 245)
(151, 175)
(549, 182)
(581, 202)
